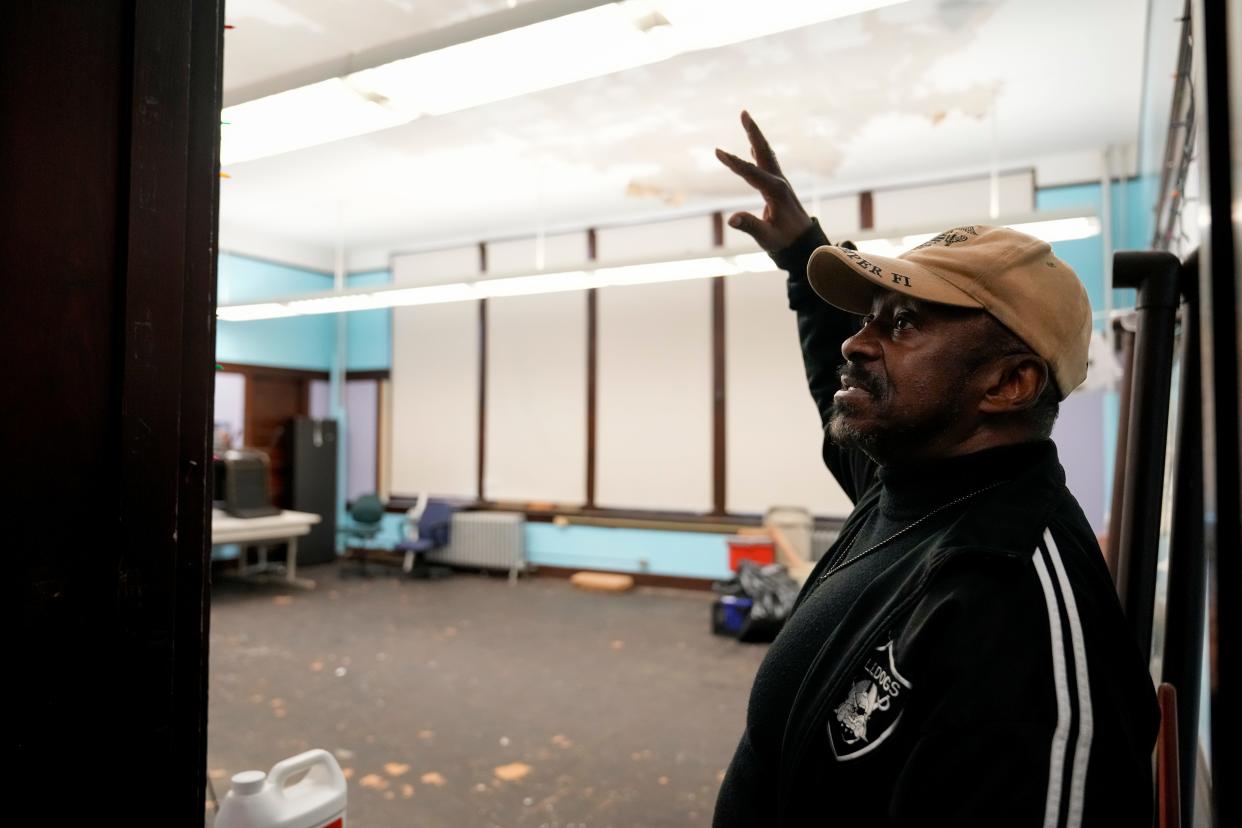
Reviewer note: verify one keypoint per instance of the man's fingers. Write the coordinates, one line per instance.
(759, 147)
(771, 186)
(753, 226)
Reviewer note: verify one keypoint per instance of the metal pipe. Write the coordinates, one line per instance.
(1113, 545)
(1155, 275)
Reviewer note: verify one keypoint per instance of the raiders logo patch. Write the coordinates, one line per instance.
(873, 703)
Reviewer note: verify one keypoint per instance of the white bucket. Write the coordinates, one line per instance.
(796, 524)
(259, 800)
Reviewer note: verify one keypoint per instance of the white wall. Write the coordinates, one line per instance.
(454, 264)
(559, 252)
(680, 237)
(654, 405)
(536, 399)
(773, 437)
(230, 410)
(435, 409)
(968, 200)
(654, 392)
(362, 420)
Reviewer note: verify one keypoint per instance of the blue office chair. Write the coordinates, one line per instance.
(366, 515)
(426, 530)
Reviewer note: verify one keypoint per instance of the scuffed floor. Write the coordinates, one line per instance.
(470, 702)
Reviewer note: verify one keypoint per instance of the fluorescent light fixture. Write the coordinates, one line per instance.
(532, 285)
(304, 117)
(677, 271)
(525, 285)
(599, 41)
(755, 263)
(259, 310)
(1058, 228)
(1068, 228)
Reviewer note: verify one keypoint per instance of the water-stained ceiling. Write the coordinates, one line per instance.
(920, 91)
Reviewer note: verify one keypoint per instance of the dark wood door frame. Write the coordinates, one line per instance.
(111, 189)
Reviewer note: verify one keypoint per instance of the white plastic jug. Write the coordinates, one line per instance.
(259, 800)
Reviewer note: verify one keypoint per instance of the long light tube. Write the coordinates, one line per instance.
(643, 273)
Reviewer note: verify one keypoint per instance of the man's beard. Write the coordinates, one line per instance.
(890, 432)
(841, 429)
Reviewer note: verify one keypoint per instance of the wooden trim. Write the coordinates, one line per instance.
(620, 518)
(369, 374)
(592, 391)
(302, 373)
(482, 444)
(113, 192)
(719, 448)
(592, 367)
(640, 578)
(188, 691)
(247, 409)
(379, 436)
(866, 211)
(1168, 774)
(383, 459)
(271, 370)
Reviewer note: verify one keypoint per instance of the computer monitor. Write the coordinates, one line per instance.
(241, 484)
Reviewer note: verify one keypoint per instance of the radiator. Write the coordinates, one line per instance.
(487, 540)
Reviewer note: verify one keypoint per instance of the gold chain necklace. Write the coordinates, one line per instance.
(846, 561)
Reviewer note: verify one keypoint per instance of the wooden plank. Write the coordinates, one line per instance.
(592, 299)
(719, 447)
(482, 454)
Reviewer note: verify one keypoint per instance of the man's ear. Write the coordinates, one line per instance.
(1016, 382)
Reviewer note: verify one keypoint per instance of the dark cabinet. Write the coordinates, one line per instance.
(311, 449)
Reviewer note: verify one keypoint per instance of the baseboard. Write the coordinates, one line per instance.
(640, 578)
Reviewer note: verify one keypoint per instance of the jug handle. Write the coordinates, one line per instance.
(310, 760)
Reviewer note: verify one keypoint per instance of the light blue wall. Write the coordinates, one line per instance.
(685, 554)
(1131, 227)
(243, 279)
(305, 342)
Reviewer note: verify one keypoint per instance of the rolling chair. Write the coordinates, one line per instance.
(426, 530)
(366, 516)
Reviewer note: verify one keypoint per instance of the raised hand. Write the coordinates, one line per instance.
(784, 218)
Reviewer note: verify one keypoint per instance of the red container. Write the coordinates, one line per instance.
(760, 550)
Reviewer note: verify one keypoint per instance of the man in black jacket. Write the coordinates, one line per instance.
(959, 656)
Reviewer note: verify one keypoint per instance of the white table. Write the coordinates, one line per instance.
(285, 527)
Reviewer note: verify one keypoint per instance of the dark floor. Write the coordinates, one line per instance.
(609, 710)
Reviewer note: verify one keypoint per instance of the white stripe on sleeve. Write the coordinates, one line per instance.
(1082, 748)
(1060, 737)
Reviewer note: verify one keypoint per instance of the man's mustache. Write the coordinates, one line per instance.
(856, 376)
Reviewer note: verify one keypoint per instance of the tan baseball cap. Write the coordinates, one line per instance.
(1013, 276)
